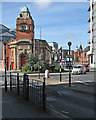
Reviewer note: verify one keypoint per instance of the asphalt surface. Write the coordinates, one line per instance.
(77, 101)
(71, 102)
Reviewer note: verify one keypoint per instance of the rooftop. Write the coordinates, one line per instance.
(25, 9)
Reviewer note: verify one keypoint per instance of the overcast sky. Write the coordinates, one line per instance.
(59, 21)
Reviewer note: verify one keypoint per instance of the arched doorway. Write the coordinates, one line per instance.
(23, 58)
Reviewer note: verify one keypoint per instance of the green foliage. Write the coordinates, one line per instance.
(28, 71)
(26, 68)
(32, 58)
(35, 66)
(77, 58)
(57, 68)
(43, 65)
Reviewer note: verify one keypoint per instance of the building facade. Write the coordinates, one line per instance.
(81, 56)
(54, 45)
(92, 31)
(5, 35)
(54, 53)
(19, 49)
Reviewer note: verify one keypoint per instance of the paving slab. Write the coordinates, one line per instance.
(14, 106)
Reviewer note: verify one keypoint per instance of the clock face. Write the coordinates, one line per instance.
(23, 27)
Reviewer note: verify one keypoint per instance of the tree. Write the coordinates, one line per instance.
(43, 64)
(77, 59)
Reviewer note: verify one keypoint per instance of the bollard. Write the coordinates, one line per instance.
(18, 83)
(10, 82)
(44, 95)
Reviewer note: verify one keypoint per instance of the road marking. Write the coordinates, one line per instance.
(65, 112)
(59, 93)
(79, 81)
(58, 113)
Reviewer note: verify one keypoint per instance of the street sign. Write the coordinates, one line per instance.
(31, 64)
(62, 60)
(39, 57)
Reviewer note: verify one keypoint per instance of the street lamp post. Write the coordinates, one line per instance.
(69, 44)
(38, 62)
(5, 43)
(60, 48)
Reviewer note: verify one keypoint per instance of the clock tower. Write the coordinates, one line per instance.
(22, 46)
(25, 25)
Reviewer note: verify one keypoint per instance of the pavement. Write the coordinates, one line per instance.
(14, 106)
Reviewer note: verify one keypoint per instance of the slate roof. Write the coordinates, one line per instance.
(87, 49)
(2, 27)
(6, 34)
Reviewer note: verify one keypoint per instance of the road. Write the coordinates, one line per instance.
(67, 102)
(71, 103)
(89, 76)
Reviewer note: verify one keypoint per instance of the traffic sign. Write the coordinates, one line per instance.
(62, 60)
(31, 64)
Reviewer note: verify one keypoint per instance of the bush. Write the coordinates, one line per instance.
(28, 71)
(35, 67)
(22, 70)
(26, 68)
(57, 68)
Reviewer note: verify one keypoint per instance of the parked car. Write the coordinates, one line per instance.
(79, 69)
(86, 67)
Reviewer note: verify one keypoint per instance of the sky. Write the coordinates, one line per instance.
(59, 21)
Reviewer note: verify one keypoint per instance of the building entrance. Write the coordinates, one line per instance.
(23, 60)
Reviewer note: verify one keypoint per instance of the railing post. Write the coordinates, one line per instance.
(26, 87)
(18, 83)
(10, 82)
(44, 95)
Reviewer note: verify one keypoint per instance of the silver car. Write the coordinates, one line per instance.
(79, 69)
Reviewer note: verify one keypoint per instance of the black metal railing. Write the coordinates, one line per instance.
(16, 83)
(31, 89)
(37, 92)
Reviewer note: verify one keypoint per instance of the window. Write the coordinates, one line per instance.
(91, 59)
(20, 15)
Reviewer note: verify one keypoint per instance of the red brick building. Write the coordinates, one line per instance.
(81, 56)
(25, 44)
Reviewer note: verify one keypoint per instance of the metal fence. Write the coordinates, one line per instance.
(31, 89)
(15, 83)
(37, 92)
